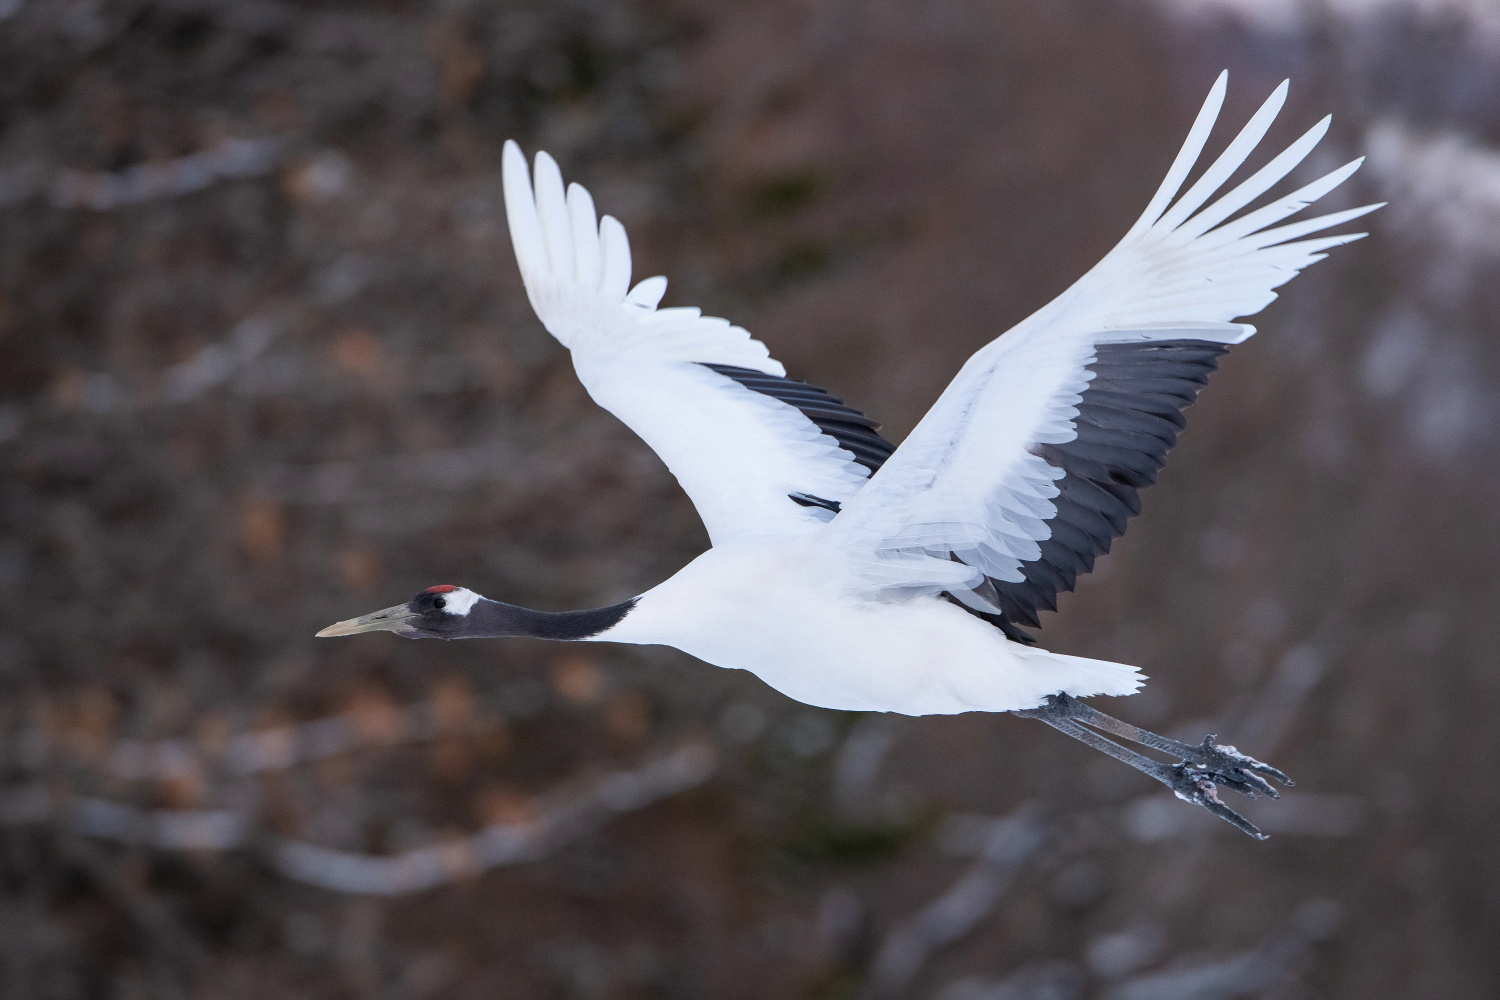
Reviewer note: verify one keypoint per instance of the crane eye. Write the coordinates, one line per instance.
(440, 603)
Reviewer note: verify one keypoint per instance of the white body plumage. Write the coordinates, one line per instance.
(769, 607)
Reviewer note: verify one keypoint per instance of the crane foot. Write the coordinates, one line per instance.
(1195, 778)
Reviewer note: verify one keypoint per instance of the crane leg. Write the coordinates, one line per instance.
(1200, 768)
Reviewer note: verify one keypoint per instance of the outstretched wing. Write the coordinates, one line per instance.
(1029, 464)
(757, 452)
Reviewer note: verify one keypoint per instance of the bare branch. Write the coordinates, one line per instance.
(1009, 843)
(230, 159)
(1240, 974)
(281, 747)
(505, 844)
(560, 821)
(1044, 981)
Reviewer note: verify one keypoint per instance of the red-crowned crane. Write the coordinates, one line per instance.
(852, 574)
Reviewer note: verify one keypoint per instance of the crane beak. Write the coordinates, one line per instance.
(394, 619)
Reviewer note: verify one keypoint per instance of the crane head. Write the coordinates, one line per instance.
(435, 613)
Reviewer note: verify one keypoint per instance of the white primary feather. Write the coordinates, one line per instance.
(737, 453)
(966, 481)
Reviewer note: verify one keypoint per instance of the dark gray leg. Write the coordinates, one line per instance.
(1193, 779)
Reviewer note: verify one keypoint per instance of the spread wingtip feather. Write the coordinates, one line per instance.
(520, 212)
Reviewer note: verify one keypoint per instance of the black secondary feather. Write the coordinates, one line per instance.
(854, 431)
(1128, 420)
(808, 500)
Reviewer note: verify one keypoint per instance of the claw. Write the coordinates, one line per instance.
(1199, 788)
(1245, 762)
(1209, 765)
(1226, 766)
(1249, 785)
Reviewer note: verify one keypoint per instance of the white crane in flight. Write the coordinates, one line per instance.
(852, 574)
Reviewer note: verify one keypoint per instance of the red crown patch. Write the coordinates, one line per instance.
(445, 588)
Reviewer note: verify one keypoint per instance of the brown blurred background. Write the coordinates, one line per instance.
(265, 363)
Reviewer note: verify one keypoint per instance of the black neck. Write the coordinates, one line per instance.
(492, 619)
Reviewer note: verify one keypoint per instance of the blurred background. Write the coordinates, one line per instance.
(266, 363)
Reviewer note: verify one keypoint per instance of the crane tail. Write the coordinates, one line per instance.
(1082, 677)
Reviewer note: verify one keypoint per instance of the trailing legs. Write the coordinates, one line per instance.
(1193, 779)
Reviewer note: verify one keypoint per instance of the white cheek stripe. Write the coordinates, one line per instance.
(460, 601)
